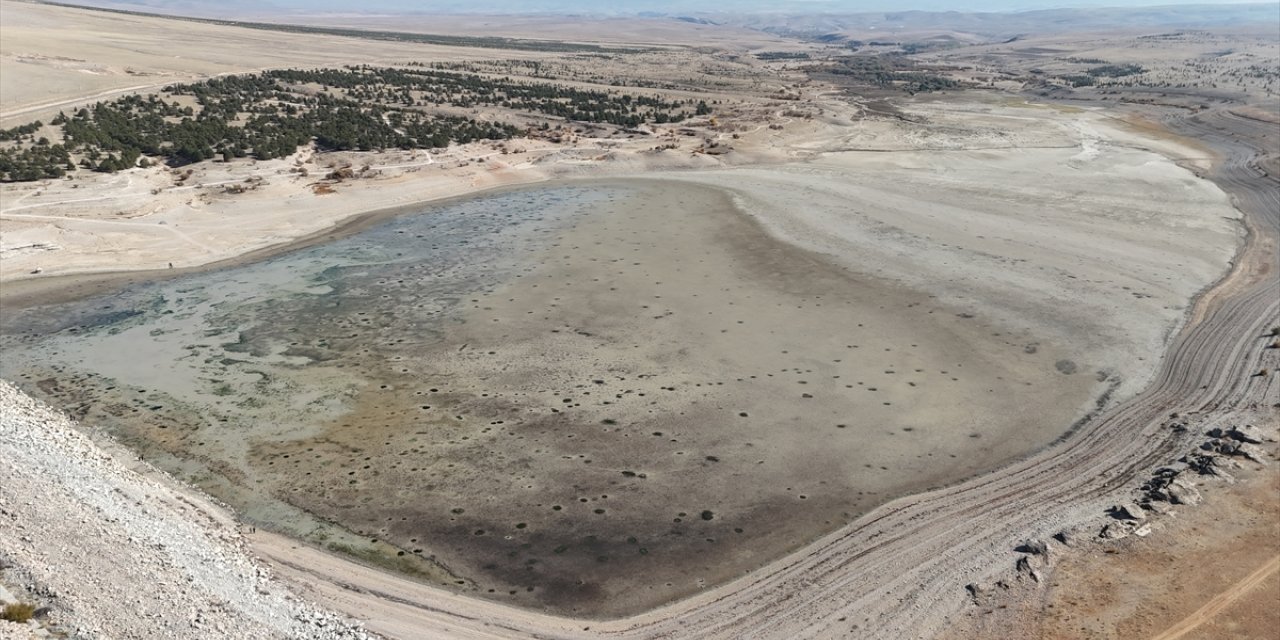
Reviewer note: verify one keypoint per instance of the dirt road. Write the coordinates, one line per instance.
(1222, 601)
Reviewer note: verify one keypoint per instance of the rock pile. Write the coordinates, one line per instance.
(107, 552)
(1175, 484)
(1168, 487)
(1236, 441)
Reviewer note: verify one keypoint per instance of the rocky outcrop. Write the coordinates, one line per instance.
(1215, 456)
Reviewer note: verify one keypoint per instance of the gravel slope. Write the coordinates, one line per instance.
(116, 554)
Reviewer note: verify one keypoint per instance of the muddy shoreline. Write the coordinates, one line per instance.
(33, 290)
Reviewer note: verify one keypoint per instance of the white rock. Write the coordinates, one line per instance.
(1181, 492)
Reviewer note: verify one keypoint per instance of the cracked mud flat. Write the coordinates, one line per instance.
(591, 399)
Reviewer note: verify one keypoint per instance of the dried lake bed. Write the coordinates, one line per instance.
(589, 397)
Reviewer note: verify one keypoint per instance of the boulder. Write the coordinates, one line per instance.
(1028, 568)
(1225, 447)
(1129, 511)
(1247, 433)
(1114, 531)
(1209, 465)
(978, 589)
(1034, 547)
(1183, 493)
(1252, 452)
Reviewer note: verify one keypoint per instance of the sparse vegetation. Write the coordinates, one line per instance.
(1079, 80)
(782, 55)
(890, 71)
(1115, 70)
(271, 114)
(19, 612)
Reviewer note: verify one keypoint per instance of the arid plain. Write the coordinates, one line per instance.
(686, 361)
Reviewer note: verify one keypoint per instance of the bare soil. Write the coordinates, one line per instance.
(1208, 572)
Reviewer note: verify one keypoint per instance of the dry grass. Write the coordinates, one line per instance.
(19, 612)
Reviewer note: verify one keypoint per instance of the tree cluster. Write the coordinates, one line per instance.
(782, 55)
(271, 114)
(892, 71)
(1115, 70)
(426, 87)
(18, 132)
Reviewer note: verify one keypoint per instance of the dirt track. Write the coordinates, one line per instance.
(1224, 600)
(899, 571)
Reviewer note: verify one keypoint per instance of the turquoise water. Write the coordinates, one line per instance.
(196, 372)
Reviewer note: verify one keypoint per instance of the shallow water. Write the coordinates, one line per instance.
(591, 399)
(193, 370)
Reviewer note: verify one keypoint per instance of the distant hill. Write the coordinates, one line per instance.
(1012, 24)
(698, 9)
(828, 20)
(196, 8)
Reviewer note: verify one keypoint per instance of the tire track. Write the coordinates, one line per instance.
(1221, 601)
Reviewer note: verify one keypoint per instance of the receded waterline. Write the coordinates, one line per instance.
(588, 398)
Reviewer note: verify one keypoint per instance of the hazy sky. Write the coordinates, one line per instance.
(635, 6)
(720, 5)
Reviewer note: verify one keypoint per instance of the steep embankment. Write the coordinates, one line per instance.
(114, 554)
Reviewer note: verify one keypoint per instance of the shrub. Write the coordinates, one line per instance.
(17, 612)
